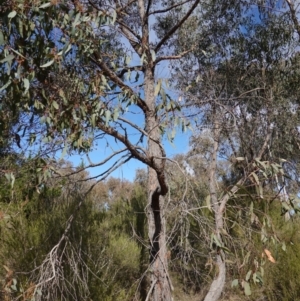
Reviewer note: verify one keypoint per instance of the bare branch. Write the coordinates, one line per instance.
(168, 8)
(136, 127)
(113, 77)
(108, 172)
(132, 148)
(142, 9)
(230, 193)
(131, 36)
(174, 28)
(148, 7)
(172, 57)
(91, 165)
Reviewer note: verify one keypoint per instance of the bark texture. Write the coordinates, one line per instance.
(157, 188)
(218, 283)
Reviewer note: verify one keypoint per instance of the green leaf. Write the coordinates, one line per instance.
(107, 117)
(217, 241)
(247, 289)
(255, 177)
(64, 152)
(7, 176)
(255, 278)
(157, 88)
(262, 271)
(8, 58)
(76, 21)
(47, 64)
(153, 55)
(283, 246)
(116, 114)
(12, 180)
(114, 17)
(12, 14)
(18, 53)
(5, 86)
(55, 105)
(248, 275)
(45, 5)
(208, 203)
(26, 84)
(39, 292)
(234, 283)
(2, 41)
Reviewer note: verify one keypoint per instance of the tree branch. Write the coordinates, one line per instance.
(125, 70)
(142, 10)
(148, 7)
(168, 8)
(174, 28)
(133, 149)
(113, 77)
(172, 57)
(131, 36)
(142, 131)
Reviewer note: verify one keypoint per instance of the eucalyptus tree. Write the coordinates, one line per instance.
(79, 71)
(240, 84)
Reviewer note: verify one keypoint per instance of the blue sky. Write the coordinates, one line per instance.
(127, 171)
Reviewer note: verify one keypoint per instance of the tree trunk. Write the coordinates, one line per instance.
(160, 283)
(217, 286)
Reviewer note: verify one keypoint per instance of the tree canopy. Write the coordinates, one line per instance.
(73, 73)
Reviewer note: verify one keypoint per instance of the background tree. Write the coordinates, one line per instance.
(237, 84)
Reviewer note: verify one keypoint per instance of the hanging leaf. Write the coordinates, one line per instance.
(8, 58)
(153, 55)
(47, 64)
(26, 85)
(157, 88)
(12, 180)
(114, 17)
(248, 275)
(2, 41)
(45, 5)
(12, 14)
(76, 21)
(283, 246)
(55, 105)
(5, 86)
(247, 289)
(255, 177)
(208, 203)
(116, 114)
(234, 283)
(107, 117)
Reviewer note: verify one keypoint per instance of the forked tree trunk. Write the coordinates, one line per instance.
(217, 286)
(160, 289)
